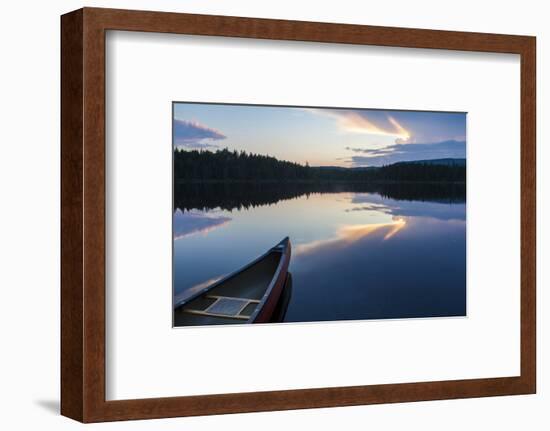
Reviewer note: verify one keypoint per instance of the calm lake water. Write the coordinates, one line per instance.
(357, 252)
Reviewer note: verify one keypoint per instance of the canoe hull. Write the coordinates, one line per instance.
(270, 304)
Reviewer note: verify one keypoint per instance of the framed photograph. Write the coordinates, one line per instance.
(266, 215)
(368, 225)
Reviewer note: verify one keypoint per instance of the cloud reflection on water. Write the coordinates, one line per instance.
(346, 235)
(191, 222)
(441, 210)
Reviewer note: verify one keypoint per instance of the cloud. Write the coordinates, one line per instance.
(366, 122)
(401, 127)
(407, 152)
(192, 134)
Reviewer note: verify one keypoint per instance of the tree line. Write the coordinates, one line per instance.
(224, 165)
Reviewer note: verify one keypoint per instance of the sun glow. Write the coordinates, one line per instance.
(356, 122)
(403, 134)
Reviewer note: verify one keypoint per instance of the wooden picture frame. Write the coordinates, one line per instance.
(83, 214)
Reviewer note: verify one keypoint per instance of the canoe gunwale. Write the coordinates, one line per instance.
(275, 280)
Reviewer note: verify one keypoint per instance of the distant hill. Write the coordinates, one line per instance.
(439, 162)
(342, 168)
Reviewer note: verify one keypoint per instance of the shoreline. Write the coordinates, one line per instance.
(324, 182)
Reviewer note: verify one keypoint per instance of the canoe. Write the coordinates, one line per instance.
(279, 314)
(249, 295)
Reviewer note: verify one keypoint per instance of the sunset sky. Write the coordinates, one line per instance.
(321, 136)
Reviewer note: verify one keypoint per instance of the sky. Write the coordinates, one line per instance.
(321, 136)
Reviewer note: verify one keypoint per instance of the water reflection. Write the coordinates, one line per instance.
(357, 254)
(235, 195)
(347, 235)
(191, 222)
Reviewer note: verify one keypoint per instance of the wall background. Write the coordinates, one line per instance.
(29, 228)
